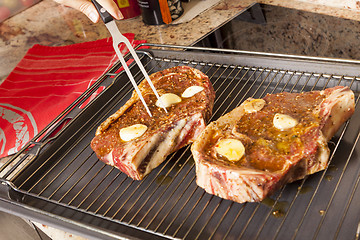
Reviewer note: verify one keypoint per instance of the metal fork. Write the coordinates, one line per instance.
(118, 38)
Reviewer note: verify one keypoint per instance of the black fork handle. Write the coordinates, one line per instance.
(104, 15)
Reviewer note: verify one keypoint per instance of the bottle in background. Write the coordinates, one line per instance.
(128, 8)
(157, 12)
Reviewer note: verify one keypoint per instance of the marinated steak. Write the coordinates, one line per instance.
(136, 143)
(263, 144)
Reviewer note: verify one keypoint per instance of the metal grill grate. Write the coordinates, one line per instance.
(65, 179)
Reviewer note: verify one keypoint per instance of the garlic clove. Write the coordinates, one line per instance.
(191, 91)
(284, 122)
(168, 99)
(254, 105)
(132, 132)
(232, 149)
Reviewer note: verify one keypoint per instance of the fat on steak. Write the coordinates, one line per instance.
(136, 143)
(252, 151)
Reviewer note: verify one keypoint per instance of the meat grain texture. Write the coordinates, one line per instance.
(166, 132)
(272, 157)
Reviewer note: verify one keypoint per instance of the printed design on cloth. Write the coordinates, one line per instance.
(18, 124)
(45, 82)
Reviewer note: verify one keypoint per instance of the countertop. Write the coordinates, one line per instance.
(48, 23)
(51, 24)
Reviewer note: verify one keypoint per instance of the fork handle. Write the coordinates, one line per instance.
(104, 15)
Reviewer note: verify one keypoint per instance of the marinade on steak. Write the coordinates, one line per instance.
(271, 157)
(166, 132)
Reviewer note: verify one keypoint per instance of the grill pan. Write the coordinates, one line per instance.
(57, 180)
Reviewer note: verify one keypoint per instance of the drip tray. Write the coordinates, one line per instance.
(60, 181)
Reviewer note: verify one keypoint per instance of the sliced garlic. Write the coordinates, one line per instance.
(254, 105)
(168, 99)
(191, 91)
(132, 132)
(284, 122)
(232, 149)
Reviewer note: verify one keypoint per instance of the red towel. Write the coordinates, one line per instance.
(44, 83)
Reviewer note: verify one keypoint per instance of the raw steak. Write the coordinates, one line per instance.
(263, 144)
(135, 143)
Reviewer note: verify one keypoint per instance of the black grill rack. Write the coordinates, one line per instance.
(57, 180)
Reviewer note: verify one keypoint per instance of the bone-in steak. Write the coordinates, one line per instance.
(136, 143)
(263, 144)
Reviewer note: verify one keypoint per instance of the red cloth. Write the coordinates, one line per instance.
(44, 83)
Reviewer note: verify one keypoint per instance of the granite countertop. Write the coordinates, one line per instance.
(51, 24)
(48, 23)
